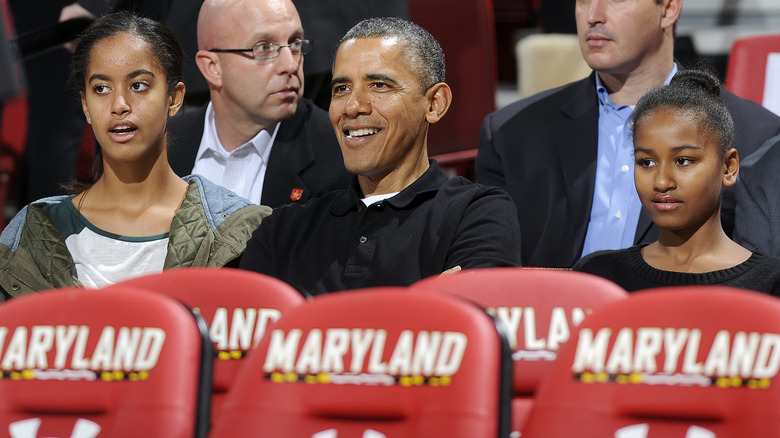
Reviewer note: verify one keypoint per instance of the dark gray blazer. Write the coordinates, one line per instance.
(305, 154)
(542, 151)
(758, 200)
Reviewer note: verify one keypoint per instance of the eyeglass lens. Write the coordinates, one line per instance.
(271, 50)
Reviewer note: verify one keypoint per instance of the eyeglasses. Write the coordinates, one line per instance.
(264, 51)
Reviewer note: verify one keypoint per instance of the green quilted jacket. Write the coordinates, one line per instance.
(211, 228)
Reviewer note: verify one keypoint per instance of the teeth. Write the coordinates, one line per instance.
(362, 132)
(122, 129)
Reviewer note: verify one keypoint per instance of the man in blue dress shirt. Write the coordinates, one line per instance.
(565, 156)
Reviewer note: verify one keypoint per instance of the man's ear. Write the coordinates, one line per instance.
(731, 167)
(84, 107)
(210, 67)
(439, 97)
(672, 9)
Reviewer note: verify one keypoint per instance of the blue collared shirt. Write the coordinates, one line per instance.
(614, 214)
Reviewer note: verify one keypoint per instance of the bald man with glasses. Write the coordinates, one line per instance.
(257, 136)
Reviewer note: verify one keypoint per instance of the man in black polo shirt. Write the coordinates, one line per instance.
(402, 219)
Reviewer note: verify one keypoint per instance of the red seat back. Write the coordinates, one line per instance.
(746, 68)
(376, 363)
(673, 362)
(238, 307)
(538, 307)
(92, 363)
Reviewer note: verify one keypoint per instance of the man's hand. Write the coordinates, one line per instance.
(450, 271)
(74, 10)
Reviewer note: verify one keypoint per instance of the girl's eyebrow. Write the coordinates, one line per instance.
(676, 148)
(99, 77)
(139, 72)
(133, 74)
(684, 147)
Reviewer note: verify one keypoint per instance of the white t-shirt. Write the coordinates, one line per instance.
(104, 258)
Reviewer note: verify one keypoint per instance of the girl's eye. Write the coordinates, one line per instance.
(644, 162)
(139, 86)
(101, 89)
(684, 161)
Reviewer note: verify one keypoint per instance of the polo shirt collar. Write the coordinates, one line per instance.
(431, 180)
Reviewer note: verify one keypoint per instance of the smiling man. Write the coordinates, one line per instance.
(402, 219)
(257, 136)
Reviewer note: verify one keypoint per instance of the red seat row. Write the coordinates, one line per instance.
(480, 353)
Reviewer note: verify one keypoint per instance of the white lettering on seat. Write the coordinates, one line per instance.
(29, 428)
(424, 353)
(642, 430)
(751, 355)
(333, 433)
(116, 349)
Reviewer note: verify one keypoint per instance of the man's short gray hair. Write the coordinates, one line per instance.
(424, 54)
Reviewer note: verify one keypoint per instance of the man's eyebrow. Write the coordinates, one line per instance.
(298, 34)
(338, 80)
(381, 77)
(371, 76)
(268, 38)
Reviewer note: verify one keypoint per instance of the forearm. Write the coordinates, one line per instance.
(488, 235)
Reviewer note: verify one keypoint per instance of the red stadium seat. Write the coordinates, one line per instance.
(87, 363)
(374, 363)
(693, 362)
(746, 68)
(238, 307)
(539, 308)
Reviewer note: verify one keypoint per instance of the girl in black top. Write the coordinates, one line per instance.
(683, 147)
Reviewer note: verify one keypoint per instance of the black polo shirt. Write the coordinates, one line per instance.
(335, 242)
